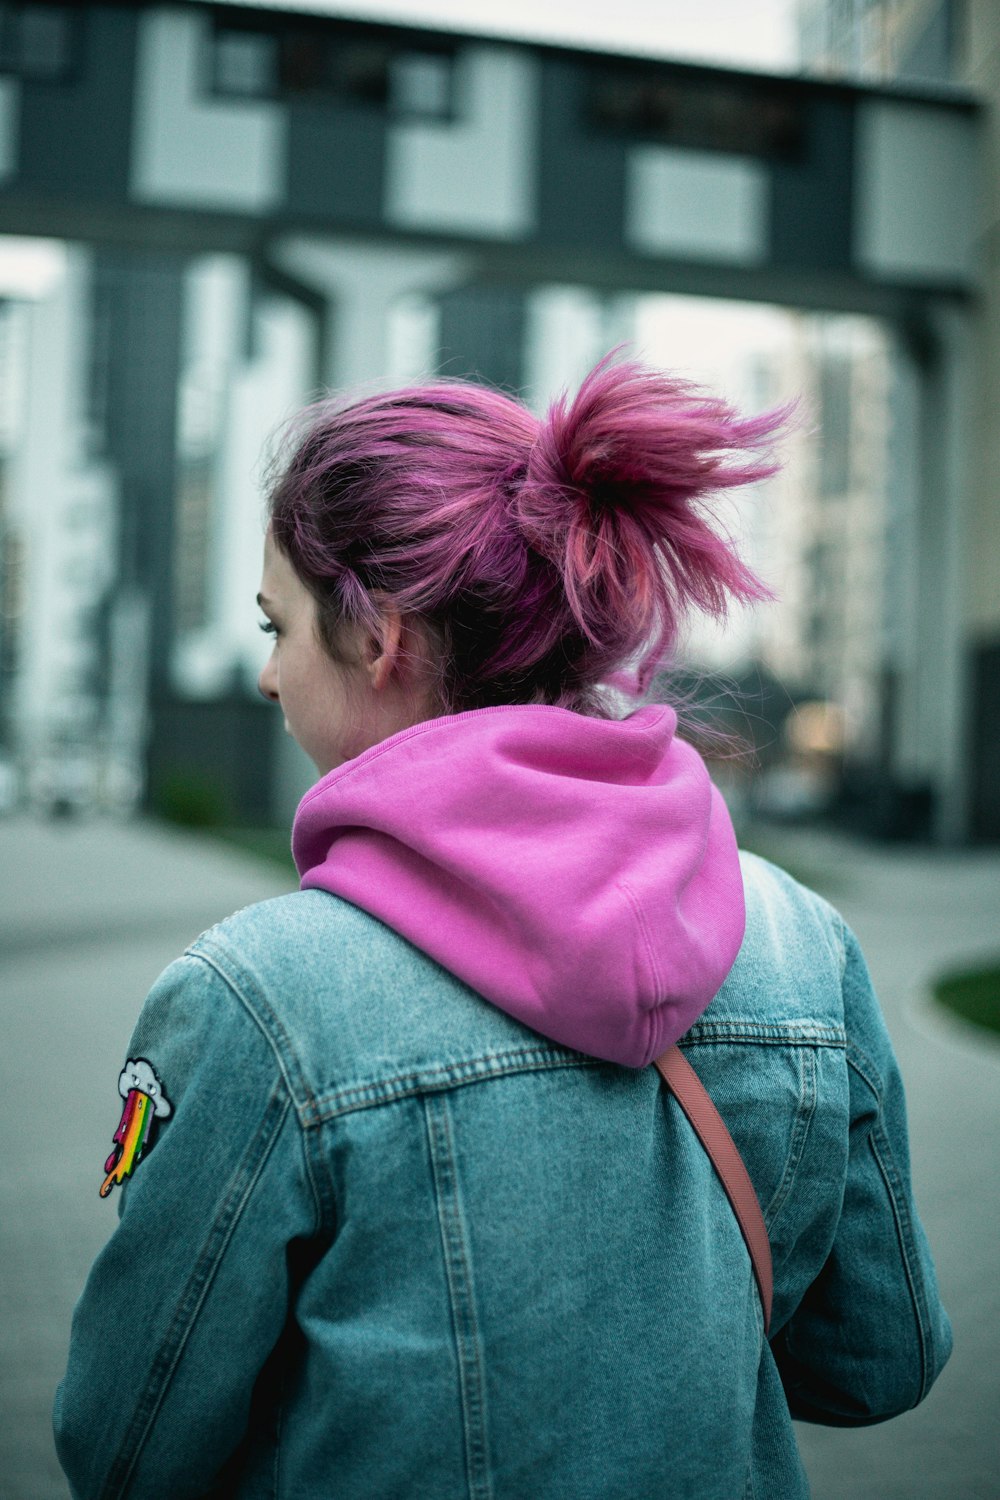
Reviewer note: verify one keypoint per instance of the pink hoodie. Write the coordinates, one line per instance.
(580, 873)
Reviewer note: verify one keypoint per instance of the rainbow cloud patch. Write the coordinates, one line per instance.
(145, 1101)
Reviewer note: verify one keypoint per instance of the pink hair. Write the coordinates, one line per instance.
(548, 555)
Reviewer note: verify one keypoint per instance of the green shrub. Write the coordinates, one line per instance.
(191, 799)
(973, 994)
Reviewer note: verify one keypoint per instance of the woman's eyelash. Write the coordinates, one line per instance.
(268, 627)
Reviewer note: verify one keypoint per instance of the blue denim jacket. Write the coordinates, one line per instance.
(391, 1243)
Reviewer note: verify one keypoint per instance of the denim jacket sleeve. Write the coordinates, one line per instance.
(190, 1294)
(870, 1336)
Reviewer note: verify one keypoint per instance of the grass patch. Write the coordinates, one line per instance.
(190, 799)
(973, 995)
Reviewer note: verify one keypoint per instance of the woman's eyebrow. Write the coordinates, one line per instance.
(263, 601)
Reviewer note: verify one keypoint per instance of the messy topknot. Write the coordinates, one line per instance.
(547, 556)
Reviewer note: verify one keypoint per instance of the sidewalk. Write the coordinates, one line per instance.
(917, 912)
(93, 912)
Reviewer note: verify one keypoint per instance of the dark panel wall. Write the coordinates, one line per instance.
(482, 333)
(135, 347)
(76, 133)
(581, 175)
(984, 740)
(336, 162)
(811, 202)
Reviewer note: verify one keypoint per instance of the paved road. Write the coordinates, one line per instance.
(93, 911)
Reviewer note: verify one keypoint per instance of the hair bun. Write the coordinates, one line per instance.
(545, 557)
(615, 494)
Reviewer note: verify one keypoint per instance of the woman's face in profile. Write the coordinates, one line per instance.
(313, 691)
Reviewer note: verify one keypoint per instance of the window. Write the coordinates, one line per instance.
(714, 114)
(420, 86)
(39, 42)
(835, 420)
(344, 64)
(245, 64)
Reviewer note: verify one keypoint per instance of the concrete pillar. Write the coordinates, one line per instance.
(927, 568)
(361, 284)
(135, 359)
(483, 335)
(954, 326)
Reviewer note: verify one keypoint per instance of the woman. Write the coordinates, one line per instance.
(403, 1211)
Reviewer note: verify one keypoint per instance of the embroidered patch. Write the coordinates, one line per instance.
(144, 1101)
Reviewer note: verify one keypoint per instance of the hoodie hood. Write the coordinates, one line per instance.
(580, 873)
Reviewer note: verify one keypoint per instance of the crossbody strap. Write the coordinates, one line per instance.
(709, 1126)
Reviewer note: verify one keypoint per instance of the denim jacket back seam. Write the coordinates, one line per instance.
(461, 1294)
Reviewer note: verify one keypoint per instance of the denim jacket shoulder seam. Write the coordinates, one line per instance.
(240, 981)
(305, 1113)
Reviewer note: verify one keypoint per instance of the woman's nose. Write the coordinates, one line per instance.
(267, 683)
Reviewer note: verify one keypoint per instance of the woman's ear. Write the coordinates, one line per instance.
(384, 649)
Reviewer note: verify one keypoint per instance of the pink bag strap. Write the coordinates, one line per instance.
(690, 1093)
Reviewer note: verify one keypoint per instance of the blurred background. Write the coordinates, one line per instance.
(212, 213)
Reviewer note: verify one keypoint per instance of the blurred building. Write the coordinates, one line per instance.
(948, 43)
(64, 659)
(908, 41)
(824, 523)
(276, 202)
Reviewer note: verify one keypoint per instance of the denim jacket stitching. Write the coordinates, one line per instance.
(240, 1190)
(881, 1149)
(882, 1152)
(840, 929)
(860, 1063)
(322, 1202)
(784, 1034)
(318, 1171)
(241, 981)
(461, 1294)
(800, 1135)
(444, 1077)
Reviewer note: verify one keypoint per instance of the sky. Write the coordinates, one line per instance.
(757, 34)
